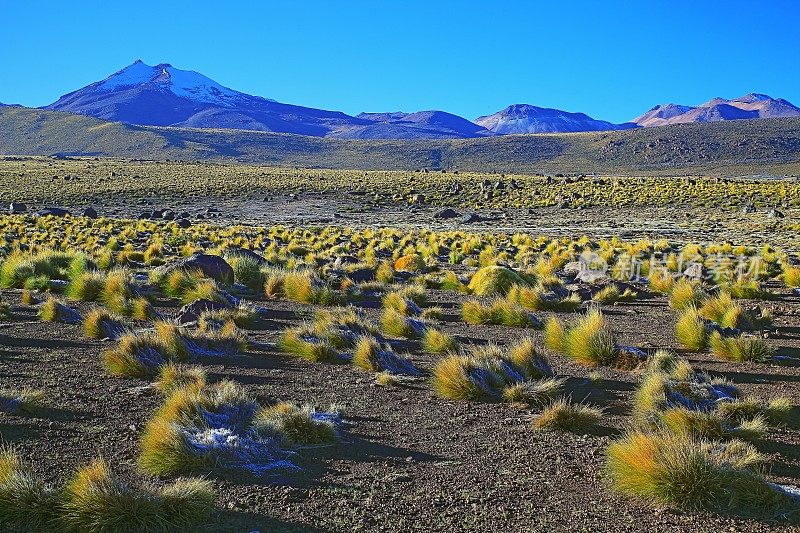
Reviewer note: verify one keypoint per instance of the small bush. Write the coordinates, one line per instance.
(301, 343)
(294, 425)
(395, 324)
(685, 294)
(371, 356)
(587, 340)
(173, 376)
(499, 312)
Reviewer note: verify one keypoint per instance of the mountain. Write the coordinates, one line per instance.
(163, 95)
(749, 106)
(526, 118)
(422, 124)
(740, 147)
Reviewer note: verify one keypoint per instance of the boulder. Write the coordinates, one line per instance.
(448, 212)
(16, 208)
(470, 218)
(184, 223)
(54, 211)
(89, 212)
(211, 266)
(694, 271)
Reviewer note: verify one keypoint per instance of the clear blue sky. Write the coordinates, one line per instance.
(612, 60)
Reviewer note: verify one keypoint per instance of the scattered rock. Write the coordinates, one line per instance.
(17, 207)
(211, 266)
(774, 213)
(694, 271)
(54, 211)
(470, 218)
(448, 212)
(89, 212)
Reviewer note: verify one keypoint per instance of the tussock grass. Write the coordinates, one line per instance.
(691, 331)
(791, 275)
(675, 470)
(611, 294)
(26, 503)
(494, 281)
(371, 356)
(661, 281)
(587, 340)
(686, 294)
(21, 401)
(141, 355)
(438, 342)
(295, 425)
(740, 349)
(94, 500)
(301, 342)
(174, 376)
(539, 298)
(563, 415)
(100, 324)
(503, 312)
(87, 286)
(487, 371)
(396, 324)
(537, 392)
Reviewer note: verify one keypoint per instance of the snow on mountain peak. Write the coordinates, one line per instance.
(184, 83)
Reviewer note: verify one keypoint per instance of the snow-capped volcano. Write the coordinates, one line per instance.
(163, 95)
(182, 83)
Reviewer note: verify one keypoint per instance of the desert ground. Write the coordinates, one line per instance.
(395, 441)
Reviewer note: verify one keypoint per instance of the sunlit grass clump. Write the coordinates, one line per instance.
(100, 324)
(221, 427)
(494, 281)
(141, 355)
(679, 471)
(487, 371)
(540, 298)
(740, 349)
(564, 415)
(504, 312)
(691, 331)
(371, 356)
(94, 499)
(685, 294)
(587, 340)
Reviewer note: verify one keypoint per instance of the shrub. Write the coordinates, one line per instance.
(410, 263)
(791, 275)
(611, 294)
(494, 281)
(661, 281)
(740, 349)
(563, 415)
(538, 392)
(54, 311)
(691, 331)
(26, 504)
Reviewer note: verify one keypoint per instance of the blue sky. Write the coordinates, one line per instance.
(612, 60)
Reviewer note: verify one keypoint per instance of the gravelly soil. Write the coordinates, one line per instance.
(409, 460)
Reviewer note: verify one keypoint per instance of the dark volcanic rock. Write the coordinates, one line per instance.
(448, 212)
(211, 266)
(17, 207)
(90, 212)
(54, 211)
(191, 312)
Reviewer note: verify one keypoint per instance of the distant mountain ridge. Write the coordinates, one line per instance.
(162, 95)
(749, 106)
(526, 118)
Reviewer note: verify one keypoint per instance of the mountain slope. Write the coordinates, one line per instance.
(730, 147)
(422, 124)
(749, 106)
(526, 118)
